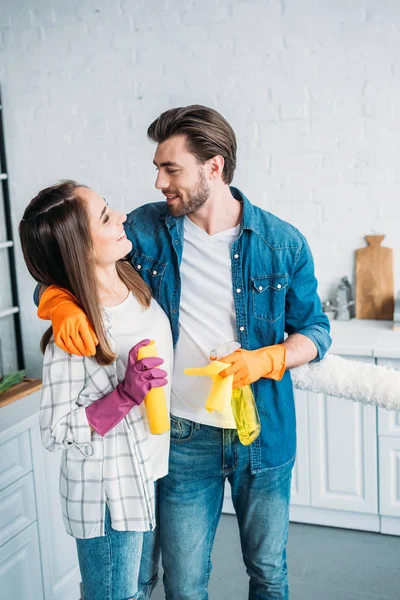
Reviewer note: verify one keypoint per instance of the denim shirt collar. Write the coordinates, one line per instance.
(248, 217)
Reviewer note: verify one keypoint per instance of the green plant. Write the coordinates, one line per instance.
(11, 379)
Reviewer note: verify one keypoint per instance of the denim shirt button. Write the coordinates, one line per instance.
(241, 328)
(238, 290)
(260, 287)
(138, 266)
(279, 286)
(154, 272)
(236, 256)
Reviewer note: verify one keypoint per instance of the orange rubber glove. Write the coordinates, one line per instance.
(71, 328)
(247, 366)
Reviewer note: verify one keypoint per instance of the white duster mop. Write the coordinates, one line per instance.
(351, 379)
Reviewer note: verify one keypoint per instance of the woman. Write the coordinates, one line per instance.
(92, 406)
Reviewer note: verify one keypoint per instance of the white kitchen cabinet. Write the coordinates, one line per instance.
(343, 453)
(338, 443)
(20, 568)
(301, 489)
(389, 468)
(15, 458)
(38, 560)
(62, 580)
(389, 463)
(17, 508)
(389, 421)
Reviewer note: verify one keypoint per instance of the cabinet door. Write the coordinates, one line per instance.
(15, 458)
(17, 508)
(20, 573)
(389, 459)
(343, 454)
(389, 421)
(61, 577)
(389, 476)
(300, 493)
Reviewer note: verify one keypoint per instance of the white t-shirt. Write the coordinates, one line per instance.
(131, 323)
(207, 319)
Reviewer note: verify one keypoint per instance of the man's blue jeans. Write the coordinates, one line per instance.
(191, 498)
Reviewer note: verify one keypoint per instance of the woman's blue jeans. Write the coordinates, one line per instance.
(120, 565)
(191, 497)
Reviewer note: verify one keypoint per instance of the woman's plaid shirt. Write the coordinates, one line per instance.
(115, 469)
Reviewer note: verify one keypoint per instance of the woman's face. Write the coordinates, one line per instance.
(106, 229)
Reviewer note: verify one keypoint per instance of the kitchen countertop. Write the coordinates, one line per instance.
(19, 403)
(26, 387)
(361, 337)
(26, 407)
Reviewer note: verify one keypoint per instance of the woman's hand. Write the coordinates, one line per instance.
(142, 375)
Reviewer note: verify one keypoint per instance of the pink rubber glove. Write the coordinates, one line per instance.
(140, 377)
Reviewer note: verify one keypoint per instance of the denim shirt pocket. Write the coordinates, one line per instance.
(269, 293)
(151, 270)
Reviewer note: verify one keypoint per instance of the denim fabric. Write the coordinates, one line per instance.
(120, 565)
(273, 267)
(150, 560)
(191, 497)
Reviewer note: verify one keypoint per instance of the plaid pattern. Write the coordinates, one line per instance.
(115, 469)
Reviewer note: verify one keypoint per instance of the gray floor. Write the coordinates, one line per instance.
(324, 564)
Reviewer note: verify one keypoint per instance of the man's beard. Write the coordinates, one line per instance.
(194, 199)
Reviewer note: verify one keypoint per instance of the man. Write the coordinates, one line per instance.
(224, 269)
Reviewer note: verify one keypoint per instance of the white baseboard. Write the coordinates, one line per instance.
(390, 525)
(334, 518)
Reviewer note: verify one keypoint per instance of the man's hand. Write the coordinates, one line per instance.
(247, 366)
(71, 328)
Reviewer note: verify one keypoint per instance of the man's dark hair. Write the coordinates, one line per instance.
(207, 134)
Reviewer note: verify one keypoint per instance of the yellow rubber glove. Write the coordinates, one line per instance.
(247, 366)
(71, 328)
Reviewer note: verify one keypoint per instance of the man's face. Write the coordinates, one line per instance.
(181, 178)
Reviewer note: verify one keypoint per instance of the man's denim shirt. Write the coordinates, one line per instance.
(273, 267)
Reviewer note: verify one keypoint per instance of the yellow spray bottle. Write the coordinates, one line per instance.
(222, 395)
(246, 416)
(243, 404)
(155, 402)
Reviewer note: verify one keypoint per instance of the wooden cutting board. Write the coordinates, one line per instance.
(374, 280)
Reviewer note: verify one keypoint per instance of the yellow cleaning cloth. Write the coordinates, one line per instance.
(220, 395)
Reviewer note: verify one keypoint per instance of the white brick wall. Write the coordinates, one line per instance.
(312, 89)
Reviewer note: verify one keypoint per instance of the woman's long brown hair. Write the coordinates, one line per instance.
(58, 250)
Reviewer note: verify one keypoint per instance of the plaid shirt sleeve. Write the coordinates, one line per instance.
(63, 418)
